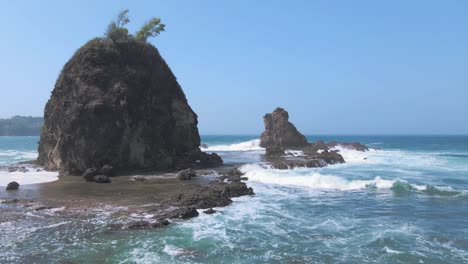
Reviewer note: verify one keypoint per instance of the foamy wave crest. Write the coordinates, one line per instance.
(311, 179)
(243, 146)
(17, 155)
(31, 176)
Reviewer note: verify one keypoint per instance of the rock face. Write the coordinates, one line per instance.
(280, 132)
(119, 104)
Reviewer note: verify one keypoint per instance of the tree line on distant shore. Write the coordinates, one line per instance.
(21, 126)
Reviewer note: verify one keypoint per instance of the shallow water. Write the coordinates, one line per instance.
(406, 203)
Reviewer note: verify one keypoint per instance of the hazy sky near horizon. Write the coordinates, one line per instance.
(341, 67)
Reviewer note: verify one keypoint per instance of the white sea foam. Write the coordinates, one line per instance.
(310, 179)
(16, 155)
(243, 146)
(30, 177)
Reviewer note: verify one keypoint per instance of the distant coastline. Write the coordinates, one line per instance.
(21, 126)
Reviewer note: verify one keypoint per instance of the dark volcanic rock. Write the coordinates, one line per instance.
(280, 132)
(140, 225)
(89, 174)
(12, 186)
(186, 174)
(210, 211)
(349, 145)
(274, 151)
(216, 194)
(182, 213)
(211, 160)
(101, 179)
(203, 197)
(119, 104)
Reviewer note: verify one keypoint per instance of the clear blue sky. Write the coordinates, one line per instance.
(338, 67)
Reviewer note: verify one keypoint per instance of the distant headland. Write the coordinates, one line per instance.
(21, 126)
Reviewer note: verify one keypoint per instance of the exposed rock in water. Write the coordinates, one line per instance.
(12, 186)
(288, 148)
(182, 213)
(348, 145)
(119, 104)
(210, 211)
(139, 225)
(186, 174)
(89, 174)
(101, 179)
(280, 132)
(217, 193)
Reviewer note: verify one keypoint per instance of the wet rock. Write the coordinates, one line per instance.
(348, 145)
(12, 186)
(210, 160)
(89, 174)
(182, 213)
(274, 151)
(138, 225)
(280, 132)
(186, 174)
(101, 179)
(233, 175)
(160, 224)
(203, 197)
(13, 201)
(107, 170)
(210, 211)
(205, 146)
(234, 189)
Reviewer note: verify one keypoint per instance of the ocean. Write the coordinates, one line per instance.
(404, 202)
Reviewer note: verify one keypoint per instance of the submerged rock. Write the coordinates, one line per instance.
(280, 132)
(119, 104)
(12, 186)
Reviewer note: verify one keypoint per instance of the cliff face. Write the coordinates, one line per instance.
(119, 104)
(279, 132)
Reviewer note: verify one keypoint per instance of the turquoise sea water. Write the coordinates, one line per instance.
(405, 203)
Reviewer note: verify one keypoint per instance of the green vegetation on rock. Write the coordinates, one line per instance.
(117, 32)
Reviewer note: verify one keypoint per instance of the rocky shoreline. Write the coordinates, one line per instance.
(160, 197)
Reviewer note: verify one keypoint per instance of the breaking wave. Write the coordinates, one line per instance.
(307, 178)
(243, 146)
(31, 175)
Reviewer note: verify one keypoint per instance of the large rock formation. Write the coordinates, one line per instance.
(119, 104)
(279, 132)
(287, 148)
